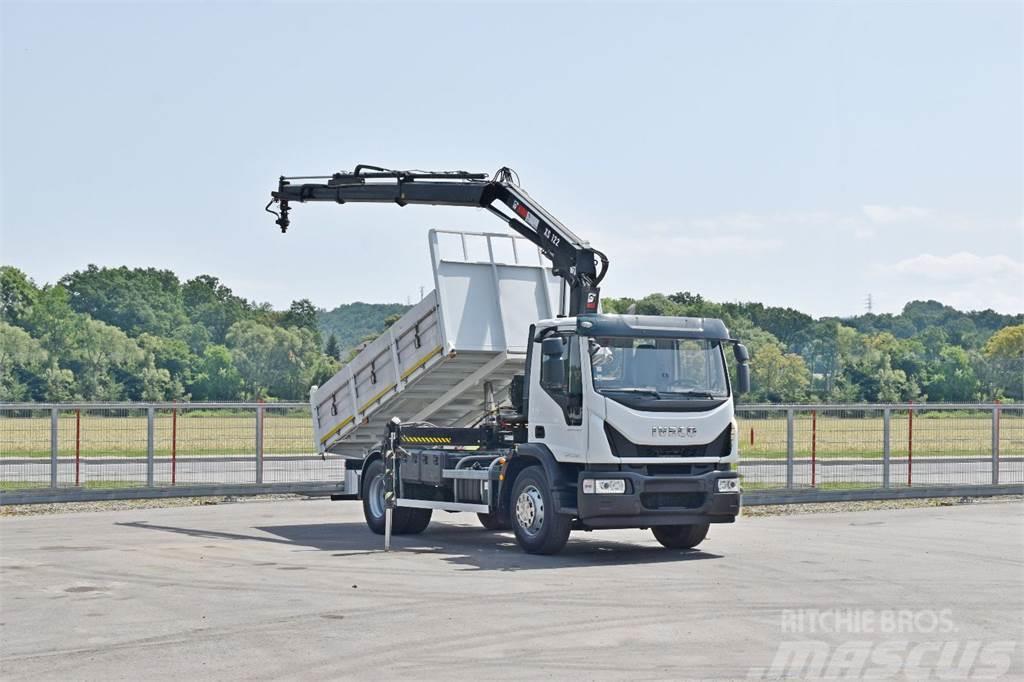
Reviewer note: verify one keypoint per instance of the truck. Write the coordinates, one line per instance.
(507, 392)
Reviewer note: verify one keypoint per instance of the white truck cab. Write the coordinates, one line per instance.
(641, 408)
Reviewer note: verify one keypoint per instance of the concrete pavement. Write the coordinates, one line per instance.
(301, 590)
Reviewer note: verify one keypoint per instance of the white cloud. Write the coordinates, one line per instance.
(960, 265)
(886, 215)
(963, 280)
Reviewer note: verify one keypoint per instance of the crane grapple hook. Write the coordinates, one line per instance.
(282, 218)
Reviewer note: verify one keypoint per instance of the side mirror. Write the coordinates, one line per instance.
(743, 378)
(552, 346)
(741, 353)
(516, 393)
(552, 371)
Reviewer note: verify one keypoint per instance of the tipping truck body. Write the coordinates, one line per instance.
(431, 365)
(487, 397)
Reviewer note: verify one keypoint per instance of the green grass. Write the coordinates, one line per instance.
(63, 485)
(827, 485)
(955, 435)
(191, 435)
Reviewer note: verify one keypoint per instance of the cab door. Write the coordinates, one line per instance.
(556, 411)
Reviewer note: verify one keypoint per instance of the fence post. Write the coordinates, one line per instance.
(910, 443)
(54, 416)
(814, 447)
(886, 445)
(259, 443)
(995, 444)
(789, 447)
(150, 464)
(174, 446)
(78, 446)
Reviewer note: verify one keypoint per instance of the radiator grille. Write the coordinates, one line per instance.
(623, 447)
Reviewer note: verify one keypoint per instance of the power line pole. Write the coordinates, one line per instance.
(868, 304)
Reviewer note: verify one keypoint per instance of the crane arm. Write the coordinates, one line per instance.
(573, 259)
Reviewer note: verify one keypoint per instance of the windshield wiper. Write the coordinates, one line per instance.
(643, 391)
(696, 394)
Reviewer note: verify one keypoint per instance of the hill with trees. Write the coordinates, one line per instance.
(143, 334)
(352, 323)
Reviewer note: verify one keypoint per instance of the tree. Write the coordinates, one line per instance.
(778, 377)
(952, 378)
(352, 321)
(819, 345)
(22, 361)
(783, 323)
(173, 355)
(868, 372)
(616, 305)
(302, 314)
(217, 377)
(103, 359)
(274, 361)
(212, 305)
(157, 384)
(17, 295)
(58, 384)
(1006, 343)
(135, 300)
(1004, 353)
(332, 349)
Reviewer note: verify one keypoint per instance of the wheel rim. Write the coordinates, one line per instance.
(530, 510)
(376, 496)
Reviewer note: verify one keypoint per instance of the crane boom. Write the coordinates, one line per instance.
(573, 259)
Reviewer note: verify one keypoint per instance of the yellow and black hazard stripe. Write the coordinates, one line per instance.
(433, 440)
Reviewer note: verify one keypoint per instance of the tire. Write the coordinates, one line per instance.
(681, 537)
(404, 520)
(538, 529)
(494, 522)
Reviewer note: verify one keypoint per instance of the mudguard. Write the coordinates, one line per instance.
(563, 482)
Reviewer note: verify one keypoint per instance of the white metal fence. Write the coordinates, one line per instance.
(75, 451)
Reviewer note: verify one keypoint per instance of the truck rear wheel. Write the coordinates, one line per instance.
(404, 520)
(681, 537)
(538, 528)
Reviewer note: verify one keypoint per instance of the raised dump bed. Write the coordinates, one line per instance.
(431, 365)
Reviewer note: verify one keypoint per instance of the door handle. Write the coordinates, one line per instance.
(538, 432)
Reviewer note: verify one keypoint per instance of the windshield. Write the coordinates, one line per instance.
(676, 368)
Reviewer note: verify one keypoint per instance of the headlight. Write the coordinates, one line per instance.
(604, 486)
(728, 485)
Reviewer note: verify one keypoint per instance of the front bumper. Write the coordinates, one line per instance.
(658, 501)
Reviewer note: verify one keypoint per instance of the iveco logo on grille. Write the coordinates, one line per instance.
(674, 431)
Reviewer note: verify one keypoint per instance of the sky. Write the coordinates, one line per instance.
(802, 154)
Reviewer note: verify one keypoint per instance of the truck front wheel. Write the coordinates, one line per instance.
(681, 537)
(404, 520)
(538, 528)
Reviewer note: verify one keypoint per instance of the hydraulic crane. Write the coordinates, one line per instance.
(580, 266)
